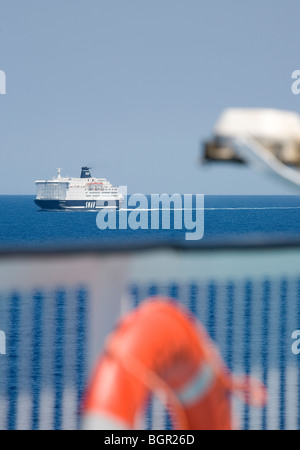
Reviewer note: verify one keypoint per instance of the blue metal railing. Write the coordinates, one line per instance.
(250, 317)
(45, 354)
(245, 319)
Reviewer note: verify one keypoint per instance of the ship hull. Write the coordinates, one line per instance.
(77, 205)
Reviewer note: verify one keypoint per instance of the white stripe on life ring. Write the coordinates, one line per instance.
(198, 386)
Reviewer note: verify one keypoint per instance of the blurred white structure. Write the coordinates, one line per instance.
(268, 139)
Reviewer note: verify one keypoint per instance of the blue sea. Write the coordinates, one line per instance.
(250, 319)
(226, 218)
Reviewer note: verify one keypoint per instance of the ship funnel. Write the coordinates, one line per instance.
(85, 172)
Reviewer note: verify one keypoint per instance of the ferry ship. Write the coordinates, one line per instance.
(84, 193)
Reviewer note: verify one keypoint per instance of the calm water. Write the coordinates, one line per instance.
(226, 217)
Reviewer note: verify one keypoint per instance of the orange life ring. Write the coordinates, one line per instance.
(159, 348)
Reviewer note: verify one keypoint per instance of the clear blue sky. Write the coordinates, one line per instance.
(131, 87)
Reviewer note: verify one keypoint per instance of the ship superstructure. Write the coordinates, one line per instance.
(84, 193)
